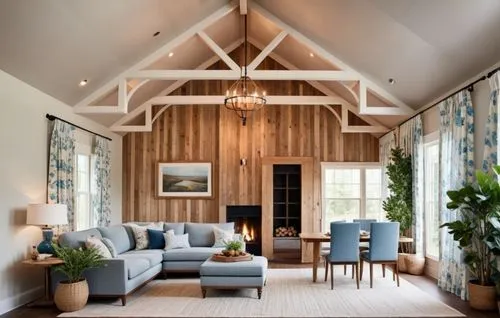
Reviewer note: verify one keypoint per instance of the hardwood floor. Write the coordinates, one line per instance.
(425, 283)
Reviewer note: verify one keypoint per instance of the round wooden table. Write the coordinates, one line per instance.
(46, 264)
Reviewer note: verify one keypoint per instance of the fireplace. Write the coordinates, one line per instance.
(247, 221)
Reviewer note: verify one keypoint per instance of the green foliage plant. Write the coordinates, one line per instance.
(399, 205)
(477, 231)
(234, 245)
(76, 261)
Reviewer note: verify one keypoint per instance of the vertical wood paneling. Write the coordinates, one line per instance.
(215, 134)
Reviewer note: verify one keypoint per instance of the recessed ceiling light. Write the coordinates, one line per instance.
(83, 82)
(311, 54)
(391, 81)
(156, 33)
(170, 54)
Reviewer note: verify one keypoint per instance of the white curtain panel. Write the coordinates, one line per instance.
(412, 140)
(60, 183)
(386, 143)
(456, 168)
(490, 156)
(101, 179)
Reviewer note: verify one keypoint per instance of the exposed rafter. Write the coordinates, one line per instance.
(243, 7)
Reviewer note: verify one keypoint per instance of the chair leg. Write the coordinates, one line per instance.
(352, 271)
(357, 274)
(371, 275)
(397, 272)
(361, 270)
(331, 273)
(345, 270)
(383, 270)
(326, 269)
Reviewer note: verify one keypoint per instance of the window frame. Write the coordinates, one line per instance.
(362, 166)
(431, 139)
(84, 149)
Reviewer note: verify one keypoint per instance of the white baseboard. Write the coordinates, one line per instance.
(13, 302)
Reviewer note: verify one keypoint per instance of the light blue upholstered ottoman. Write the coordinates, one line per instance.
(234, 275)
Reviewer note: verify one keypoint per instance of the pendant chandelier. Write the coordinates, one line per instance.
(244, 95)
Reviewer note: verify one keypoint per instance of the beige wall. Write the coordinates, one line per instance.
(23, 171)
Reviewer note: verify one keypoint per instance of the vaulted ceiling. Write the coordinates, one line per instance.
(428, 47)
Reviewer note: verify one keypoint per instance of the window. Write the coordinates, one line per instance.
(350, 192)
(431, 195)
(83, 217)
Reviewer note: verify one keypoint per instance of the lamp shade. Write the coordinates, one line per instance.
(47, 214)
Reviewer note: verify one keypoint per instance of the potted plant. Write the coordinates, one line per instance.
(72, 294)
(233, 248)
(478, 235)
(399, 206)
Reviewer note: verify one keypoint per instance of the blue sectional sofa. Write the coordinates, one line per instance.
(133, 268)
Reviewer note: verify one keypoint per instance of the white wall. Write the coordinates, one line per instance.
(23, 175)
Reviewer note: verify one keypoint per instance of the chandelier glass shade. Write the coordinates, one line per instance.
(245, 95)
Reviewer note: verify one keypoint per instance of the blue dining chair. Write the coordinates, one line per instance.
(344, 247)
(325, 250)
(384, 241)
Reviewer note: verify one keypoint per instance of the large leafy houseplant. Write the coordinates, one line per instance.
(478, 229)
(76, 261)
(398, 206)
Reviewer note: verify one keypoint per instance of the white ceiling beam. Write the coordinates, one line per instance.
(122, 95)
(99, 110)
(268, 49)
(358, 128)
(243, 7)
(219, 51)
(329, 57)
(164, 50)
(148, 124)
(219, 100)
(300, 75)
(186, 74)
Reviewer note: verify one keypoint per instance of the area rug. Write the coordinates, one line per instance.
(288, 293)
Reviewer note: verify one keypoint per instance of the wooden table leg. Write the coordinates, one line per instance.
(316, 248)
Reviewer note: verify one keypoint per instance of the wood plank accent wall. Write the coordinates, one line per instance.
(215, 134)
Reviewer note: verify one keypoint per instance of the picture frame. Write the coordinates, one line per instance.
(184, 180)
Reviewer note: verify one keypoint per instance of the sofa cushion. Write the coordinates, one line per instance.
(153, 257)
(77, 239)
(190, 254)
(177, 227)
(136, 266)
(156, 239)
(118, 235)
(202, 234)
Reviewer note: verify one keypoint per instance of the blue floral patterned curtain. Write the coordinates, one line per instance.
(490, 144)
(61, 164)
(101, 198)
(456, 168)
(411, 140)
(386, 143)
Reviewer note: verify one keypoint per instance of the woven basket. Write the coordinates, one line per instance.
(71, 296)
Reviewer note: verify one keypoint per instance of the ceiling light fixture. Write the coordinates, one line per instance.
(311, 54)
(170, 54)
(83, 82)
(245, 95)
(391, 81)
(156, 33)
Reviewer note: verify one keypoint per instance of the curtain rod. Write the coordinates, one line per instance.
(470, 87)
(52, 117)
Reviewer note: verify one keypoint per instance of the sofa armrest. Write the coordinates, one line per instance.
(111, 279)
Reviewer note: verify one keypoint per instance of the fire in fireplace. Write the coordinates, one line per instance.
(247, 221)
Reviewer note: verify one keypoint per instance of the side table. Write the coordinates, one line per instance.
(46, 264)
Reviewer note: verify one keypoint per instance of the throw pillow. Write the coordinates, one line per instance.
(156, 239)
(94, 242)
(141, 237)
(173, 241)
(222, 237)
(111, 247)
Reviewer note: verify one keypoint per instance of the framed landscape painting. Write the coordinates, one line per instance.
(185, 179)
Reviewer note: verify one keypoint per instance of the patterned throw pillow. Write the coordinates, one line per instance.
(222, 237)
(173, 241)
(111, 247)
(94, 242)
(141, 237)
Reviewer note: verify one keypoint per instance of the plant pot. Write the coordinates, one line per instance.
(482, 297)
(402, 262)
(71, 296)
(414, 264)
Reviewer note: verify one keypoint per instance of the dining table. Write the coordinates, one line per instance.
(316, 238)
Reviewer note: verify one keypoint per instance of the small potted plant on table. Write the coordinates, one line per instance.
(72, 294)
(478, 235)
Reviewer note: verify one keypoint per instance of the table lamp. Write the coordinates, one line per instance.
(47, 214)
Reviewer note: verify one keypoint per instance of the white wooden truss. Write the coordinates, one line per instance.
(346, 76)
